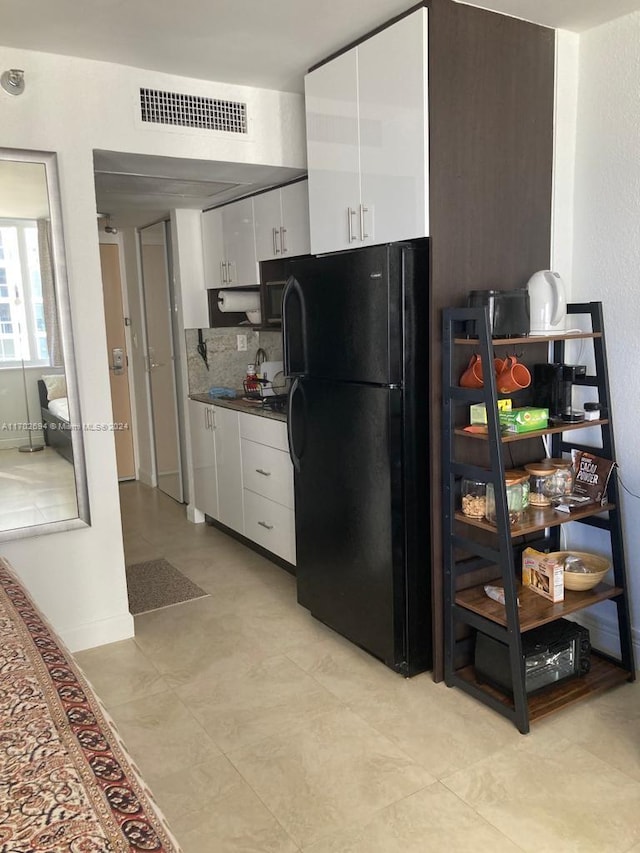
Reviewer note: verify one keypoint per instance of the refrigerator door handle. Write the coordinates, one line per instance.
(296, 453)
(293, 289)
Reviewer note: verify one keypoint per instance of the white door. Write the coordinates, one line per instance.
(205, 487)
(160, 360)
(267, 218)
(213, 249)
(228, 467)
(392, 98)
(295, 219)
(333, 159)
(240, 243)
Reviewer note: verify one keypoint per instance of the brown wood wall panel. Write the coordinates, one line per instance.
(491, 97)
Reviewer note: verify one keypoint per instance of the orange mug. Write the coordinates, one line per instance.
(472, 376)
(513, 376)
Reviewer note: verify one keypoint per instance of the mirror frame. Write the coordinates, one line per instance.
(61, 285)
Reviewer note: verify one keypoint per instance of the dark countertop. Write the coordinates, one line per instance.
(240, 405)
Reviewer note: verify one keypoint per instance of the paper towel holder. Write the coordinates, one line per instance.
(218, 319)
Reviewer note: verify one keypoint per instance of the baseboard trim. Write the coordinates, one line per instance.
(147, 478)
(98, 633)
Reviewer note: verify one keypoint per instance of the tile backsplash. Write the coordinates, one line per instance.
(227, 366)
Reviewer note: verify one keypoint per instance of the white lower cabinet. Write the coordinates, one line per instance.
(226, 428)
(242, 475)
(203, 456)
(267, 479)
(270, 524)
(217, 469)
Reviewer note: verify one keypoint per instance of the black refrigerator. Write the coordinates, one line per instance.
(355, 328)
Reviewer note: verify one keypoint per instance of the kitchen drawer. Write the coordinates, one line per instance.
(264, 431)
(270, 525)
(268, 472)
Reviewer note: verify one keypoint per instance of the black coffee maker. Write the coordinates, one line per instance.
(553, 389)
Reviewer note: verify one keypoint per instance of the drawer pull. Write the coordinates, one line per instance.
(264, 473)
(265, 525)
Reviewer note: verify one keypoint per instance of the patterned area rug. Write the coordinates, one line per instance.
(66, 781)
(156, 584)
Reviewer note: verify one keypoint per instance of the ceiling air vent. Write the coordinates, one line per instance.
(171, 108)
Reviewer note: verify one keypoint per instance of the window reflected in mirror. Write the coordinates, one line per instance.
(42, 477)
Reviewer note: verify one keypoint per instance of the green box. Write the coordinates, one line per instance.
(526, 419)
(478, 412)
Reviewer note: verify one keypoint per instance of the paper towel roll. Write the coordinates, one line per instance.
(234, 300)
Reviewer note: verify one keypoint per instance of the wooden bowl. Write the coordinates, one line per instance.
(580, 581)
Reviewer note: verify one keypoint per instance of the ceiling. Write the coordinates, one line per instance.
(246, 42)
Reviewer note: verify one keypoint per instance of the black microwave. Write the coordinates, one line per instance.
(551, 653)
(273, 278)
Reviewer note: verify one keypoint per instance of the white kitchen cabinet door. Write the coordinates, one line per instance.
(240, 243)
(333, 158)
(203, 456)
(271, 525)
(213, 249)
(267, 217)
(295, 219)
(392, 103)
(226, 428)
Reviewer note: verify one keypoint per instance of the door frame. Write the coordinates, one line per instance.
(180, 424)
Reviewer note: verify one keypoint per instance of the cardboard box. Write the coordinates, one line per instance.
(478, 412)
(524, 420)
(544, 574)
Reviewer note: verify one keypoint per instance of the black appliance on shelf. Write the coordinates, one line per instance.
(355, 329)
(508, 312)
(553, 388)
(551, 653)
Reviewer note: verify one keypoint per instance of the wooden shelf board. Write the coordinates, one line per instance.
(483, 436)
(536, 519)
(529, 339)
(603, 676)
(534, 610)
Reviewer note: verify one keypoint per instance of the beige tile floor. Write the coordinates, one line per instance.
(259, 730)
(35, 488)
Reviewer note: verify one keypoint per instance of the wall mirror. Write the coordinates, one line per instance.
(43, 486)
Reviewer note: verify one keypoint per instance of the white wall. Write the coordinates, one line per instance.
(73, 106)
(606, 256)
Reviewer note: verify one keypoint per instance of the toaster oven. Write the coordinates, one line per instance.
(551, 653)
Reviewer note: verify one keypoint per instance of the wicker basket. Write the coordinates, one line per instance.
(579, 581)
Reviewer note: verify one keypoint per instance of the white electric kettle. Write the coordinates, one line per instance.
(547, 303)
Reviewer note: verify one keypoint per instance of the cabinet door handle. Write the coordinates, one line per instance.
(213, 418)
(350, 214)
(207, 418)
(283, 244)
(363, 233)
(264, 473)
(274, 237)
(223, 277)
(229, 273)
(265, 525)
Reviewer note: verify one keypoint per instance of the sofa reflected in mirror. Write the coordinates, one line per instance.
(43, 485)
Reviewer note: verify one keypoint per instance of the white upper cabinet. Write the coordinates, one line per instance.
(281, 218)
(229, 245)
(333, 153)
(367, 141)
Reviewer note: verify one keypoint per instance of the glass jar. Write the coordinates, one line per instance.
(517, 487)
(474, 501)
(539, 474)
(560, 482)
(526, 489)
